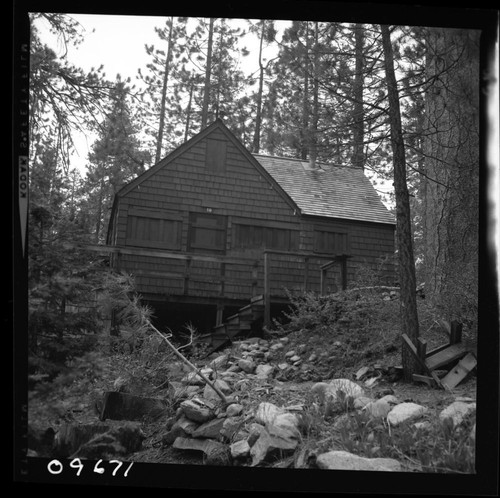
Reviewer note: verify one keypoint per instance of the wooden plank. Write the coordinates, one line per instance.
(446, 356)
(267, 290)
(459, 372)
(430, 381)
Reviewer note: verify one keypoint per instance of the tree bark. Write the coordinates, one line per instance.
(164, 94)
(407, 282)
(358, 125)
(258, 113)
(208, 74)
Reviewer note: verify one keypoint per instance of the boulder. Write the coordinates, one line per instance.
(119, 441)
(222, 385)
(197, 410)
(457, 412)
(120, 438)
(123, 406)
(285, 425)
(40, 440)
(234, 409)
(343, 460)
(210, 429)
(219, 363)
(230, 426)
(254, 432)
(378, 409)
(192, 378)
(329, 391)
(405, 412)
(248, 366)
(264, 371)
(266, 412)
(361, 402)
(206, 446)
(240, 449)
(267, 447)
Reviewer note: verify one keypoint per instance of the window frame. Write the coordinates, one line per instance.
(165, 216)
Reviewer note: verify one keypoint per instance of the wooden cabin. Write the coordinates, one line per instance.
(214, 228)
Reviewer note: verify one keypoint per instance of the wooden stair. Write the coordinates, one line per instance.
(240, 324)
(433, 360)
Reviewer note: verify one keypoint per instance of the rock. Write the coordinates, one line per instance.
(295, 358)
(378, 409)
(283, 366)
(197, 410)
(240, 449)
(328, 392)
(123, 406)
(390, 398)
(362, 372)
(41, 440)
(276, 347)
(121, 385)
(70, 437)
(210, 394)
(267, 447)
(264, 371)
(192, 378)
(422, 425)
(361, 402)
(210, 429)
(255, 430)
(284, 340)
(405, 412)
(207, 446)
(457, 412)
(289, 354)
(313, 357)
(284, 425)
(230, 426)
(234, 410)
(219, 363)
(266, 412)
(98, 440)
(343, 460)
(248, 366)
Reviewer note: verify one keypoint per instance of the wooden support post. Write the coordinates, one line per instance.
(255, 278)
(322, 281)
(421, 351)
(306, 273)
(343, 271)
(222, 278)
(219, 315)
(186, 277)
(267, 289)
(455, 332)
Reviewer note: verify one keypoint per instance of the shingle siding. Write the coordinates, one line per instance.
(250, 189)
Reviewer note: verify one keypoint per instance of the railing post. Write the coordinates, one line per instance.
(322, 281)
(306, 272)
(267, 289)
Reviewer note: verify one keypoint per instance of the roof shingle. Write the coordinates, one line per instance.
(327, 190)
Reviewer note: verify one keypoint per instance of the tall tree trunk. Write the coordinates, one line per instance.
(358, 125)
(258, 112)
(208, 74)
(407, 282)
(164, 94)
(304, 145)
(188, 111)
(313, 129)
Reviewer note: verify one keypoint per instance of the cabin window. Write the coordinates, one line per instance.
(207, 232)
(330, 242)
(262, 237)
(151, 229)
(216, 156)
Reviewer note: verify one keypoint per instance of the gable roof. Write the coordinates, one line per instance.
(328, 191)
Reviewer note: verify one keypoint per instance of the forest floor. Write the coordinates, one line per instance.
(327, 353)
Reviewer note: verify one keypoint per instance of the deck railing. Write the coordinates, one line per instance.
(309, 277)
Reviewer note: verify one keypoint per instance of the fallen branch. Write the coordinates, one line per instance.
(189, 364)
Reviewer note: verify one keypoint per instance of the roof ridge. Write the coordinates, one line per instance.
(304, 161)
